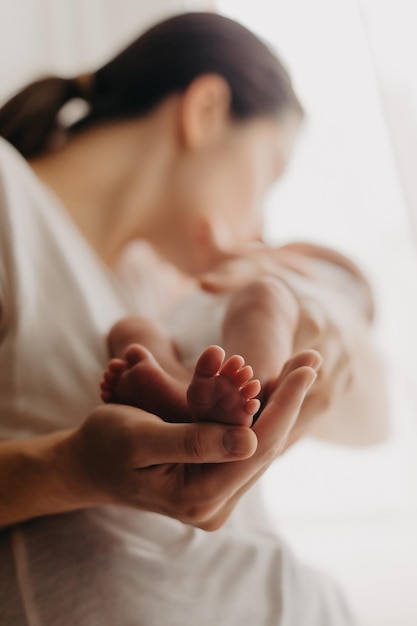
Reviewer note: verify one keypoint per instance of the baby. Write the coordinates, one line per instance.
(254, 323)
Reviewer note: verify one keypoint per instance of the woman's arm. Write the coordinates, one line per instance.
(96, 463)
(348, 403)
(124, 456)
(38, 477)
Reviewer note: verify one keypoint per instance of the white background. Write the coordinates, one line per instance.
(352, 185)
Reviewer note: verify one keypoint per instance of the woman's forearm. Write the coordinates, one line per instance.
(124, 456)
(355, 413)
(38, 477)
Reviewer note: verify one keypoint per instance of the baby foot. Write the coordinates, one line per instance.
(140, 381)
(223, 391)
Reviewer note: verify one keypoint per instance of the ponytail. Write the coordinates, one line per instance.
(30, 118)
(161, 62)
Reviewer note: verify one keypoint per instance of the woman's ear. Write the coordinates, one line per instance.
(204, 111)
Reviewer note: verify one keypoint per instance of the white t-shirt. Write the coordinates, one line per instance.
(112, 566)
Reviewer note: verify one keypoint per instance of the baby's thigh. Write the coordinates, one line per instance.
(267, 297)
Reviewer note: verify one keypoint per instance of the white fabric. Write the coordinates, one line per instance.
(111, 566)
(196, 323)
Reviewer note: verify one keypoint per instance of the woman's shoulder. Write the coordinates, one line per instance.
(6, 165)
(8, 179)
(14, 171)
(11, 161)
(8, 153)
(19, 188)
(16, 197)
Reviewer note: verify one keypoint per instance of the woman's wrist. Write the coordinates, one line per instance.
(65, 462)
(41, 476)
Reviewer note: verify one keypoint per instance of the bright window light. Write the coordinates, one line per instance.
(352, 512)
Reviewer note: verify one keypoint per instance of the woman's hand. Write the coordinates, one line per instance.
(313, 325)
(121, 455)
(347, 403)
(195, 473)
(124, 456)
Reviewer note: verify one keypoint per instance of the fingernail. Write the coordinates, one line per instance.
(319, 361)
(310, 380)
(236, 441)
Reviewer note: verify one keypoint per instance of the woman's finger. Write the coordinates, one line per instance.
(281, 415)
(161, 442)
(282, 409)
(272, 427)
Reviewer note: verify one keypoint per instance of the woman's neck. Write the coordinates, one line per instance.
(105, 178)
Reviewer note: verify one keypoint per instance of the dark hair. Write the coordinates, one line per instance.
(163, 61)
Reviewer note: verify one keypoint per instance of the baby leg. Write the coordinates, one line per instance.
(154, 336)
(152, 378)
(146, 371)
(223, 391)
(139, 380)
(260, 324)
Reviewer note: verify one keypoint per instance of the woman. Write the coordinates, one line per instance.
(184, 134)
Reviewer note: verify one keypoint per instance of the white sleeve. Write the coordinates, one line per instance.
(6, 259)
